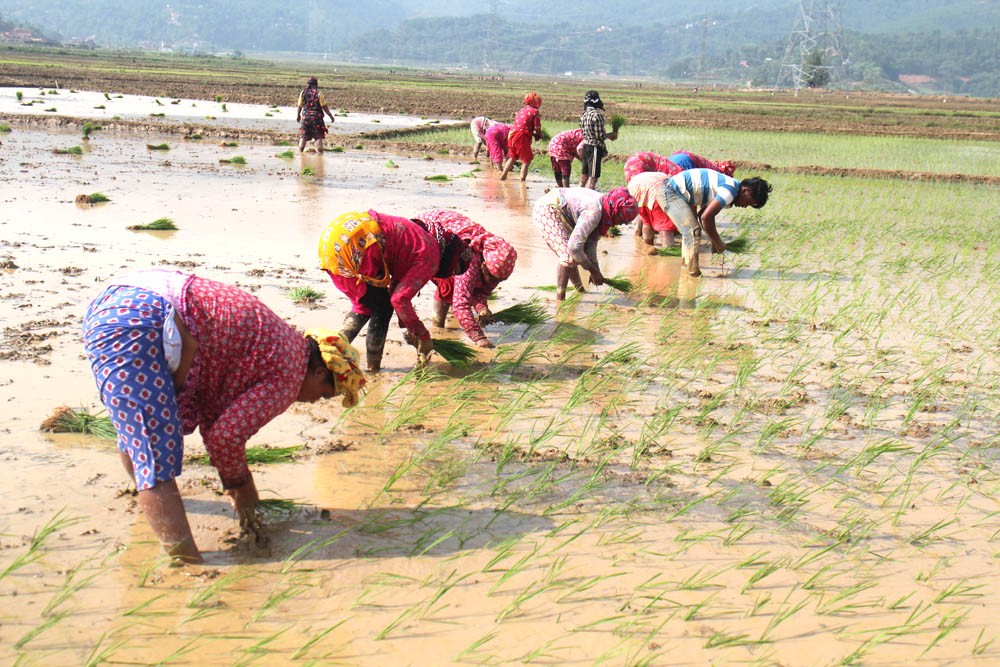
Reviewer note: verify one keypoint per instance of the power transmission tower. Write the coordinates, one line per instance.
(816, 53)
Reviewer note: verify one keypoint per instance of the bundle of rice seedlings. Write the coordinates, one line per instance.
(19, 95)
(389, 164)
(256, 455)
(100, 106)
(617, 121)
(194, 136)
(546, 288)
(454, 351)
(286, 155)
(93, 198)
(359, 147)
(669, 251)
(157, 147)
(236, 159)
(304, 295)
(218, 98)
(158, 225)
(530, 313)
(52, 110)
(88, 128)
(158, 115)
(4, 128)
(158, 102)
(335, 149)
(438, 178)
(308, 171)
(283, 143)
(272, 507)
(72, 150)
(620, 283)
(545, 136)
(224, 107)
(738, 245)
(67, 420)
(228, 144)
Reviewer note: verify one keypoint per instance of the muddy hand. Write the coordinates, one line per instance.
(252, 525)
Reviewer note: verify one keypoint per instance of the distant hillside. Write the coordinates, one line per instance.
(713, 40)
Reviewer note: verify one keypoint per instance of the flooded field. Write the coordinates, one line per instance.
(791, 460)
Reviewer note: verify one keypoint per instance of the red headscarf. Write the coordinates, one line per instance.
(533, 99)
(619, 208)
(499, 257)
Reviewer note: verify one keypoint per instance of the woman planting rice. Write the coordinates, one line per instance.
(572, 220)
(380, 262)
(172, 352)
(478, 127)
(645, 187)
(563, 148)
(527, 127)
(496, 144)
(492, 262)
(674, 164)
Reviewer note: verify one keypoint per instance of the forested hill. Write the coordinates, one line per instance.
(949, 45)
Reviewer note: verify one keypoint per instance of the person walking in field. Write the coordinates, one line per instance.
(466, 293)
(694, 197)
(526, 128)
(594, 147)
(171, 352)
(380, 262)
(496, 144)
(478, 127)
(309, 114)
(572, 221)
(563, 149)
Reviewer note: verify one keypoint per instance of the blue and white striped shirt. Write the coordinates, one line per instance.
(700, 186)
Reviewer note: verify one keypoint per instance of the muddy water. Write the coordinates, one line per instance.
(499, 514)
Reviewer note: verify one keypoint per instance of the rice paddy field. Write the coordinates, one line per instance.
(792, 460)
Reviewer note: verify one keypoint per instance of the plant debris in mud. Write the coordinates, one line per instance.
(65, 419)
(306, 295)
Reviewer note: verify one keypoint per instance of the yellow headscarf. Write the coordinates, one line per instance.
(342, 360)
(343, 243)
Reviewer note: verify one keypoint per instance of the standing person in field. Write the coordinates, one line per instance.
(496, 144)
(466, 293)
(526, 128)
(694, 197)
(478, 127)
(563, 148)
(380, 262)
(310, 114)
(571, 221)
(172, 352)
(594, 135)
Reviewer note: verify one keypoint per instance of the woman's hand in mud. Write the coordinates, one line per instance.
(484, 317)
(484, 343)
(596, 278)
(425, 346)
(244, 497)
(718, 246)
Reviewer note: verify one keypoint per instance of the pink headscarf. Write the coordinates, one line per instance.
(533, 99)
(499, 257)
(619, 208)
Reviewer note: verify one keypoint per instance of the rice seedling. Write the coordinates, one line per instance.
(305, 295)
(617, 121)
(669, 251)
(359, 147)
(158, 225)
(38, 541)
(158, 115)
(454, 351)
(273, 507)
(19, 95)
(620, 283)
(530, 313)
(228, 144)
(389, 164)
(89, 128)
(308, 171)
(72, 150)
(544, 135)
(438, 178)
(67, 420)
(218, 98)
(738, 245)
(256, 455)
(98, 198)
(224, 108)
(236, 159)
(195, 136)
(158, 147)
(52, 110)
(4, 128)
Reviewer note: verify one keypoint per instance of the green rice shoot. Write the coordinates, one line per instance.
(72, 150)
(669, 251)
(545, 288)
(530, 313)
(305, 295)
(440, 178)
(285, 155)
(68, 420)
(620, 283)
(335, 149)
(544, 135)
(308, 171)
(272, 507)
(98, 198)
(4, 128)
(228, 144)
(454, 351)
(236, 159)
(389, 164)
(738, 245)
(89, 128)
(257, 455)
(617, 121)
(158, 225)
(158, 147)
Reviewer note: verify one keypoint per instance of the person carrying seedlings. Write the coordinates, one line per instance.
(380, 262)
(594, 135)
(310, 116)
(479, 126)
(694, 197)
(466, 293)
(572, 220)
(526, 128)
(674, 164)
(496, 144)
(563, 148)
(171, 352)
